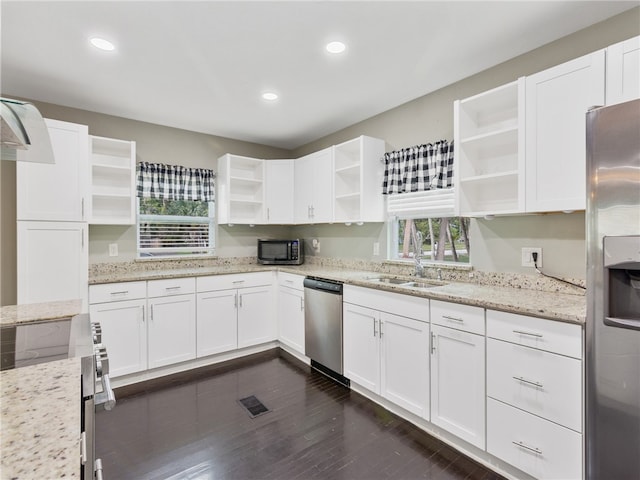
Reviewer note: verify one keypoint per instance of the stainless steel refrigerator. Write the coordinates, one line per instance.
(613, 293)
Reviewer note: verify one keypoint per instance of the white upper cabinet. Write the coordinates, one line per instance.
(313, 187)
(279, 191)
(56, 192)
(241, 192)
(623, 71)
(489, 135)
(357, 180)
(557, 100)
(112, 181)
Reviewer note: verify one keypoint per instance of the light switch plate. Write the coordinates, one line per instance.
(376, 249)
(113, 249)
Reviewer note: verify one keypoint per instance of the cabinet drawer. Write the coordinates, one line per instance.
(291, 280)
(171, 286)
(461, 317)
(534, 445)
(235, 280)
(542, 383)
(115, 292)
(395, 303)
(549, 335)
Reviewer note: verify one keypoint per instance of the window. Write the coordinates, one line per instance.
(175, 227)
(175, 210)
(445, 239)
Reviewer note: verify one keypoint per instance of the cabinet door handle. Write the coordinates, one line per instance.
(82, 240)
(528, 382)
(380, 327)
(527, 447)
(143, 313)
(375, 332)
(302, 304)
(240, 295)
(453, 318)
(152, 312)
(530, 334)
(235, 301)
(433, 343)
(83, 448)
(82, 207)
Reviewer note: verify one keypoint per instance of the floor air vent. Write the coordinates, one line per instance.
(254, 406)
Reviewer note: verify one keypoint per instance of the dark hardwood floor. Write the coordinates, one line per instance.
(194, 427)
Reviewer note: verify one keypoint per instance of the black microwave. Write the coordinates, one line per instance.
(281, 252)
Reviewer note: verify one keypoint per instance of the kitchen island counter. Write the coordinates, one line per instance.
(39, 312)
(40, 421)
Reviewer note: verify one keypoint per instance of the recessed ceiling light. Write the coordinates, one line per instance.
(335, 47)
(270, 96)
(102, 44)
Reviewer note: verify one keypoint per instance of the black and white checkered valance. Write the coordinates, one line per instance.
(419, 168)
(174, 182)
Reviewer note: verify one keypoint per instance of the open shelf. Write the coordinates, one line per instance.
(112, 199)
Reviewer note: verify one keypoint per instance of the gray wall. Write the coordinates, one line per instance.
(495, 246)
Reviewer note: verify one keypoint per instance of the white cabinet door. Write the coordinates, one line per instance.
(279, 191)
(313, 187)
(291, 318)
(124, 334)
(255, 316)
(623, 71)
(56, 192)
(217, 323)
(557, 100)
(361, 346)
(52, 262)
(458, 383)
(171, 330)
(405, 363)
(303, 189)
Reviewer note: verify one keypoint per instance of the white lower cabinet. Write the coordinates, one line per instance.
(217, 322)
(172, 329)
(534, 395)
(387, 353)
(120, 308)
(255, 316)
(124, 334)
(457, 383)
(541, 448)
(291, 311)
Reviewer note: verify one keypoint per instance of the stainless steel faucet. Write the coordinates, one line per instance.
(417, 251)
(439, 272)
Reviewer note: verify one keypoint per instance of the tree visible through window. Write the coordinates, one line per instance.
(444, 239)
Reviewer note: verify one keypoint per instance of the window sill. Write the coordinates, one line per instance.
(175, 258)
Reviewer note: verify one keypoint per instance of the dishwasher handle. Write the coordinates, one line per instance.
(327, 286)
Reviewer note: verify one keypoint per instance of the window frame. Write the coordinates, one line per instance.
(175, 252)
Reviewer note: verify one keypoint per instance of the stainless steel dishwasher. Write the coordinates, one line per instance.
(323, 326)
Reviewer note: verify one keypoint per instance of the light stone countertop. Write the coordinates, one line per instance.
(565, 307)
(39, 312)
(40, 421)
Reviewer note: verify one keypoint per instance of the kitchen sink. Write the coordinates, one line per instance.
(403, 282)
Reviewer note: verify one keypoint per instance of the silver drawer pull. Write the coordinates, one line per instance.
(528, 382)
(123, 292)
(530, 334)
(288, 281)
(237, 281)
(173, 288)
(527, 447)
(453, 318)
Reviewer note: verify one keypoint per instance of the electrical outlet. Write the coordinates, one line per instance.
(113, 249)
(527, 257)
(376, 249)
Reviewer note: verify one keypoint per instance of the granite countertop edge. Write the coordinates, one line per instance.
(562, 307)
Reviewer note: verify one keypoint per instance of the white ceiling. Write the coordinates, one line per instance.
(203, 65)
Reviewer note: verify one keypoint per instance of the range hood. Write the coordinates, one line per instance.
(23, 133)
